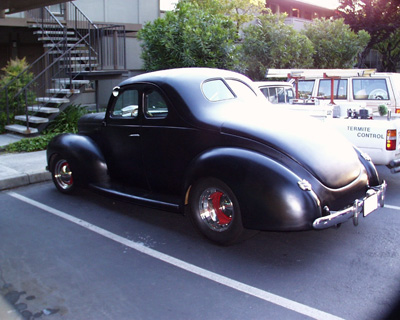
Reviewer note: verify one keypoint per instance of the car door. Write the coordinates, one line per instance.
(168, 143)
(122, 136)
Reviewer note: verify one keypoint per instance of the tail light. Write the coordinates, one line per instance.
(391, 139)
(397, 110)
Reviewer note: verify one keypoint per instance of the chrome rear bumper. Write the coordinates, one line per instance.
(333, 218)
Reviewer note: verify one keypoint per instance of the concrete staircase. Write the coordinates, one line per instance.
(56, 39)
(75, 49)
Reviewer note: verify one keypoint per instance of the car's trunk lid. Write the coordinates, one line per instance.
(325, 153)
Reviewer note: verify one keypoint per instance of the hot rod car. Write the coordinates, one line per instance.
(207, 143)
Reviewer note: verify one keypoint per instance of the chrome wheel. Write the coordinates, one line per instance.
(62, 175)
(216, 209)
(215, 212)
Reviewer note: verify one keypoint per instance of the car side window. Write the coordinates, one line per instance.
(155, 105)
(126, 105)
(370, 89)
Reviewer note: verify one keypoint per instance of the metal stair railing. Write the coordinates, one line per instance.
(104, 43)
(49, 26)
(46, 70)
(107, 42)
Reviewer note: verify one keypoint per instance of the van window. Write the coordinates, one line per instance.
(370, 89)
(339, 89)
(305, 88)
(278, 94)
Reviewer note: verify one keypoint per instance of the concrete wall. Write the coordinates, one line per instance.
(129, 12)
(120, 11)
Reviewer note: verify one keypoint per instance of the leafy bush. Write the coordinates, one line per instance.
(335, 44)
(31, 144)
(272, 44)
(189, 36)
(67, 121)
(9, 79)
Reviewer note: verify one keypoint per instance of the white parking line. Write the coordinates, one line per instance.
(392, 207)
(239, 286)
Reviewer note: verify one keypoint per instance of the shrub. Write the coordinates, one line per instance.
(67, 121)
(14, 79)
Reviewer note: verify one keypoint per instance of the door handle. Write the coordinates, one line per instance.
(134, 135)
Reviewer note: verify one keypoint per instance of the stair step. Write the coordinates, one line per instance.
(66, 84)
(71, 39)
(21, 129)
(63, 91)
(80, 66)
(45, 26)
(80, 58)
(32, 119)
(72, 52)
(52, 100)
(53, 32)
(69, 45)
(42, 109)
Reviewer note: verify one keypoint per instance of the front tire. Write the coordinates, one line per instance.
(62, 175)
(215, 211)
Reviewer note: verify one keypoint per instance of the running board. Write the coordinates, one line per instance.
(140, 197)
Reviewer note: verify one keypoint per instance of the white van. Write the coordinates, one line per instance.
(352, 85)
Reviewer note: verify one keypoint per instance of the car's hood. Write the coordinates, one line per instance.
(315, 145)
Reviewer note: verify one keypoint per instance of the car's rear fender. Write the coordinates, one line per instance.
(269, 194)
(84, 156)
(373, 176)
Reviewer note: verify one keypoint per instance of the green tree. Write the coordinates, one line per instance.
(240, 11)
(272, 44)
(336, 46)
(390, 50)
(380, 18)
(189, 36)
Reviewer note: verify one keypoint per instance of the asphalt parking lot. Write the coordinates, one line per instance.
(90, 257)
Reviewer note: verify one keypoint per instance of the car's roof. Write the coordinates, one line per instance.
(183, 75)
(183, 87)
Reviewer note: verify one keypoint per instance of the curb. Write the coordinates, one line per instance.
(24, 179)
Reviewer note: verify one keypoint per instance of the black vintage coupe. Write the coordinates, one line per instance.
(206, 142)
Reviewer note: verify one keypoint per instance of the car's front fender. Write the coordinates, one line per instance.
(85, 157)
(269, 194)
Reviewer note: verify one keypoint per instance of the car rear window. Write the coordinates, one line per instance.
(218, 90)
(241, 89)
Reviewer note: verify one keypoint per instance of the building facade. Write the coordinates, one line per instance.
(299, 12)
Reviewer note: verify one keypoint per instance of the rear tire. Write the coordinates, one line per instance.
(215, 211)
(62, 175)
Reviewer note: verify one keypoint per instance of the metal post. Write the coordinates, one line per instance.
(26, 112)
